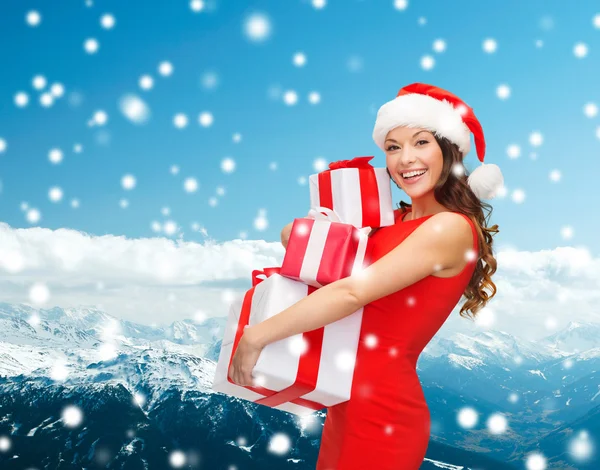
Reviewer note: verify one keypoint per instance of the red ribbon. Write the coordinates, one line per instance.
(266, 271)
(356, 162)
(369, 191)
(308, 367)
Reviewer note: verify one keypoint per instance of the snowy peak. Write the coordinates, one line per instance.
(86, 326)
(491, 347)
(575, 338)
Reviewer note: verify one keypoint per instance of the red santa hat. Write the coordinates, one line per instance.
(439, 111)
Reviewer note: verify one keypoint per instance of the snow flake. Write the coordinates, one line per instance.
(273, 166)
(355, 64)
(319, 4)
(21, 99)
(518, 196)
(196, 6)
(497, 423)
(536, 139)
(123, 203)
(39, 293)
(503, 91)
(590, 110)
(279, 443)
(490, 45)
(513, 151)
(299, 59)
(566, 232)
(320, 164)
(128, 181)
(535, 461)
(170, 227)
(39, 82)
(439, 45)
(3, 145)
(74, 203)
(467, 417)
(209, 80)
(261, 223)
(314, 97)
(46, 99)
(206, 119)
(371, 341)
(59, 371)
(190, 185)
(401, 4)
(91, 45)
(580, 50)
(57, 90)
(177, 459)
(107, 21)
(485, 317)
(33, 18)
(228, 165)
(33, 216)
(257, 27)
(302, 180)
(290, 97)
(165, 68)
(134, 109)
(596, 21)
(5, 443)
(55, 194)
(427, 62)
(146, 82)
(180, 120)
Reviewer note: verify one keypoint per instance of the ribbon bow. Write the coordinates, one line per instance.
(317, 214)
(356, 162)
(264, 271)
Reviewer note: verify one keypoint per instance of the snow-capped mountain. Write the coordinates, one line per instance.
(492, 347)
(576, 337)
(165, 370)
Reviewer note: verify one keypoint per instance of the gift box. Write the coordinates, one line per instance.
(299, 374)
(322, 250)
(359, 193)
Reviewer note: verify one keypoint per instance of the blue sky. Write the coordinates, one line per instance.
(358, 54)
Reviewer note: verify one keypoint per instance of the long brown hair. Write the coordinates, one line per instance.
(453, 192)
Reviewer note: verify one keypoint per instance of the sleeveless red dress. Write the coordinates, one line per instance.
(386, 423)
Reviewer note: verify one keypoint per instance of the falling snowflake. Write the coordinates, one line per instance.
(490, 45)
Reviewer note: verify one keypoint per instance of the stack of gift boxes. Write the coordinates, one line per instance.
(312, 370)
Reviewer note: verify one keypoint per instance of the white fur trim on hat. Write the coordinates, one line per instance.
(486, 180)
(416, 110)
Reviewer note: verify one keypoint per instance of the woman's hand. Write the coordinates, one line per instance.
(245, 358)
(285, 234)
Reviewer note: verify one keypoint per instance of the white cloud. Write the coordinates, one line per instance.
(160, 280)
(144, 280)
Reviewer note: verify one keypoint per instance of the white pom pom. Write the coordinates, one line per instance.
(486, 180)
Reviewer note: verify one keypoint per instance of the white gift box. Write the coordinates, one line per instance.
(277, 365)
(347, 196)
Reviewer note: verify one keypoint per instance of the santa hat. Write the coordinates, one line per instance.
(439, 111)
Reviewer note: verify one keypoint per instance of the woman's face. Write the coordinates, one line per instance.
(408, 149)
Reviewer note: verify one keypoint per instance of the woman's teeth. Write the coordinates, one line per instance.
(414, 175)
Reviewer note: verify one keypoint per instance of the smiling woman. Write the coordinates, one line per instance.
(438, 250)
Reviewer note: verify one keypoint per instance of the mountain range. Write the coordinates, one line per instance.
(145, 396)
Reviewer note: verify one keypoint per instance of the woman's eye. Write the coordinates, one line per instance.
(422, 141)
(390, 147)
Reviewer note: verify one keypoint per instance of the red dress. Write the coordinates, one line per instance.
(386, 423)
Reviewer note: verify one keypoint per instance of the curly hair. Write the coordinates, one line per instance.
(453, 192)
